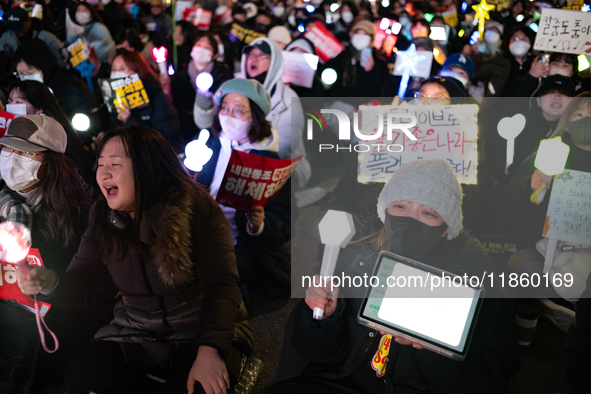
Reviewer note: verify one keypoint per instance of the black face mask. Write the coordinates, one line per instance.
(261, 27)
(260, 78)
(410, 238)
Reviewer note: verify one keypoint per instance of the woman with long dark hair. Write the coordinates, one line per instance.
(168, 249)
(83, 21)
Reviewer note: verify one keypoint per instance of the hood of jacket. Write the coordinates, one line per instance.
(275, 72)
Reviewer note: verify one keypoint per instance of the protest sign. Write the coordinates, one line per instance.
(300, 68)
(199, 17)
(5, 119)
(568, 217)
(386, 35)
(422, 61)
(563, 31)
(180, 7)
(442, 132)
(79, 51)
(9, 289)
(243, 34)
(439, 33)
(251, 180)
(574, 5)
(450, 17)
(500, 5)
(129, 91)
(327, 46)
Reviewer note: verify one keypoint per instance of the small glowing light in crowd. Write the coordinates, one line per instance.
(520, 18)
(159, 54)
(537, 16)
(204, 81)
(461, 33)
(583, 62)
(482, 13)
(475, 37)
(388, 31)
(301, 28)
(464, 6)
(81, 122)
(435, 52)
(438, 33)
(385, 23)
(310, 8)
(429, 17)
(197, 152)
(334, 7)
(552, 155)
(534, 27)
(15, 242)
(396, 28)
(329, 76)
(385, 3)
(306, 1)
(585, 8)
(170, 70)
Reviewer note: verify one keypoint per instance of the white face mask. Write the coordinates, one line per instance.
(201, 56)
(552, 71)
(118, 74)
(519, 48)
(360, 41)
(145, 39)
(16, 109)
(33, 77)
(453, 74)
(347, 17)
(278, 11)
(492, 36)
(17, 173)
(291, 20)
(234, 129)
(221, 50)
(83, 18)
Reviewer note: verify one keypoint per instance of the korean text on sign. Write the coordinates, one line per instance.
(79, 52)
(327, 46)
(563, 31)
(130, 92)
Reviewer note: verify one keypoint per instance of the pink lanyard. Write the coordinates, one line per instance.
(40, 320)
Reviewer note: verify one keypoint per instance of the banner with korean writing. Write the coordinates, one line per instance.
(5, 119)
(199, 17)
(243, 34)
(327, 46)
(574, 5)
(450, 17)
(500, 5)
(563, 31)
(9, 289)
(128, 91)
(251, 180)
(442, 132)
(569, 211)
(79, 51)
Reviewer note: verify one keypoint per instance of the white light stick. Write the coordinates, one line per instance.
(509, 129)
(336, 230)
(408, 63)
(204, 81)
(197, 152)
(329, 76)
(81, 122)
(551, 160)
(160, 54)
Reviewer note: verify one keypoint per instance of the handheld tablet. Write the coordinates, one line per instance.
(422, 304)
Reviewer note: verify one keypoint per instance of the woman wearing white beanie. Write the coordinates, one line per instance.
(420, 208)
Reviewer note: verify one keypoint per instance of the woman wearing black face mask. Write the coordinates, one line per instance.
(420, 217)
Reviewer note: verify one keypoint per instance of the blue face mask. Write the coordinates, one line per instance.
(404, 21)
(481, 48)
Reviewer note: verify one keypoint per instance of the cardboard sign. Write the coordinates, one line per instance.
(79, 51)
(198, 17)
(180, 7)
(569, 212)
(300, 68)
(252, 180)
(9, 289)
(442, 132)
(241, 33)
(5, 119)
(327, 46)
(224, 17)
(423, 68)
(563, 31)
(129, 91)
(450, 17)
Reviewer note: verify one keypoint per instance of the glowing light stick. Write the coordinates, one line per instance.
(159, 55)
(336, 230)
(509, 129)
(197, 152)
(170, 70)
(408, 63)
(15, 242)
(550, 159)
(204, 81)
(482, 14)
(329, 76)
(81, 122)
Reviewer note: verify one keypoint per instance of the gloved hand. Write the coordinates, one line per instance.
(203, 102)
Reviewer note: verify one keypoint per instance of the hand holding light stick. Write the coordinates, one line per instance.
(551, 160)
(159, 55)
(336, 230)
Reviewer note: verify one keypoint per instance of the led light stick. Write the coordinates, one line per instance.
(509, 129)
(81, 122)
(550, 159)
(336, 230)
(204, 81)
(197, 153)
(15, 242)
(408, 62)
(482, 14)
(159, 55)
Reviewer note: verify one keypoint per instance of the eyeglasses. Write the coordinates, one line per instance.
(429, 99)
(27, 156)
(237, 112)
(259, 57)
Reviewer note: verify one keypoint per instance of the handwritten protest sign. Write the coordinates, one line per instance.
(252, 180)
(300, 68)
(443, 132)
(241, 33)
(5, 119)
(327, 46)
(569, 212)
(198, 17)
(563, 31)
(79, 51)
(9, 289)
(129, 91)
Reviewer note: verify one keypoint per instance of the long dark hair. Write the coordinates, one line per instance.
(259, 130)
(158, 176)
(138, 65)
(63, 201)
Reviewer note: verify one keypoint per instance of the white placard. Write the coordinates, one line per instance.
(439, 33)
(300, 68)
(442, 132)
(564, 31)
(180, 7)
(423, 67)
(569, 212)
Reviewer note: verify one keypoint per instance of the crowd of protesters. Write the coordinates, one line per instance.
(140, 257)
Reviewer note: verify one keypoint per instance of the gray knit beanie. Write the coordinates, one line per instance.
(430, 182)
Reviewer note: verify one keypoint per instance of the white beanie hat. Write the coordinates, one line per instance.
(279, 34)
(430, 182)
